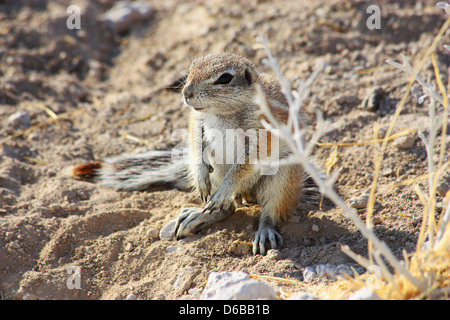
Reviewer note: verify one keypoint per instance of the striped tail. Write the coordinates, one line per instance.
(149, 170)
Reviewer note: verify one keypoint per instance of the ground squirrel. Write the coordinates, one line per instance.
(220, 92)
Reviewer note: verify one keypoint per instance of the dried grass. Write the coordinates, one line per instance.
(425, 274)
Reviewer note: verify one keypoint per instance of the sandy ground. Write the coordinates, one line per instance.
(109, 94)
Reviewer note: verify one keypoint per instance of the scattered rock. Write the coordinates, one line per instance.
(443, 185)
(387, 172)
(302, 296)
(20, 119)
(173, 249)
(184, 280)
(129, 247)
(315, 228)
(376, 220)
(239, 248)
(195, 293)
(309, 274)
(274, 254)
(15, 245)
(348, 100)
(131, 296)
(373, 99)
(152, 233)
(404, 142)
(332, 272)
(365, 294)
(168, 231)
(123, 15)
(360, 201)
(236, 285)
(381, 133)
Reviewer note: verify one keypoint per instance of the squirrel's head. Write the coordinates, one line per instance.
(220, 83)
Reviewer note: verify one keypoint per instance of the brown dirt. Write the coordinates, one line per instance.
(105, 86)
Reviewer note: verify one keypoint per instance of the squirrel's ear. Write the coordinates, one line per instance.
(248, 76)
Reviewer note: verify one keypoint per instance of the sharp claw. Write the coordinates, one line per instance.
(255, 246)
(213, 208)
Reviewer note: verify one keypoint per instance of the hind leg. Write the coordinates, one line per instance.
(192, 220)
(278, 195)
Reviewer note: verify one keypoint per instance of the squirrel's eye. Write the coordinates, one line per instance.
(224, 79)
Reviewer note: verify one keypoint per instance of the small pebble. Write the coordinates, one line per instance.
(348, 100)
(15, 245)
(332, 272)
(274, 254)
(184, 280)
(386, 172)
(365, 294)
(235, 285)
(168, 231)
(381, 133)
(173, 249)
(309, 274)
(152, 233)
(195, 293)
(131, 297)
(240, 249)
(373, 99)
(443, 185)
(376, 220)
(302, 296)
(123, 15)
(20, 119)
(404, 142)
(315, 228)
(360, 201)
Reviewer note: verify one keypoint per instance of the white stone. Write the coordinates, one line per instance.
(168, 231)
(152, 233)
(174, 248)
(20, 119)
(309, 274)
(332, 272)
(123, 15)
(235, 285)
(302, 296)
(274, 254)
(404, 142)
(184, 280)
(365, 294)
(360, 201)
(131, 296)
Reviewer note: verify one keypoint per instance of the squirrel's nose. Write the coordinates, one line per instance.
(188, 93)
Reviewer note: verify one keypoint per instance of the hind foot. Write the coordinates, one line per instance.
(264, 233)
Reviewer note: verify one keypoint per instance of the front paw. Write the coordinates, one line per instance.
(221, 200)
(192, 220)
(204, 188)
(202, 182)
(188, 222)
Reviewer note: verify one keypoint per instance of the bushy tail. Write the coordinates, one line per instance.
(143, 171)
